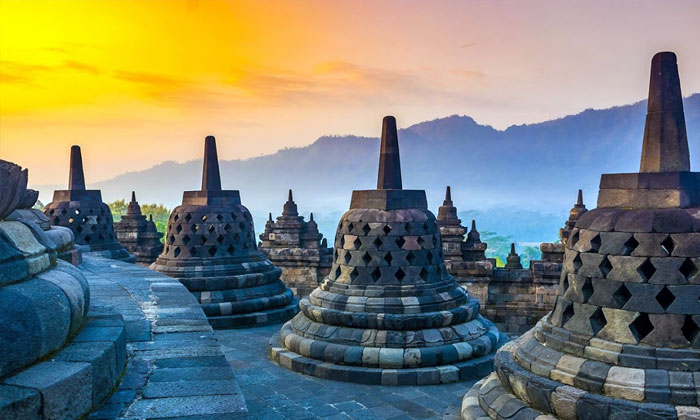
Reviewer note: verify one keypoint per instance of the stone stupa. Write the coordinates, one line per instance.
(388, 313)
(84, 213)
(576, 211)
(210, 248)
(138, 234)
(623, 340)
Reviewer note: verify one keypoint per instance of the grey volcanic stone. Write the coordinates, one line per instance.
(19, 403)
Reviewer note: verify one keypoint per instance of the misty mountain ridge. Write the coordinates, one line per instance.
(520, 181)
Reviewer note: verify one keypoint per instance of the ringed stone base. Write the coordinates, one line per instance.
(255, 319)
(476, 367)
(119, 254)
(71, 381)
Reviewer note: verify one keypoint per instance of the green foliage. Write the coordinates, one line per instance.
(39, 205)
(160, 213)
(499, 248)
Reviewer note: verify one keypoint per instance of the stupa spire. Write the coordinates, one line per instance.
(665, 146)
(579, 200)
(211, 178)
(76, 177)
(133, 196)
(389, 161)
(290, 207)
(448, 197)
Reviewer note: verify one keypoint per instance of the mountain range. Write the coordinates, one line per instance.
(520, 181)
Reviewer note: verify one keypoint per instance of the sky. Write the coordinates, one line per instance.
(136, 83)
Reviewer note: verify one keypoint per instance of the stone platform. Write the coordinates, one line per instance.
(175, 367)
(275, 393)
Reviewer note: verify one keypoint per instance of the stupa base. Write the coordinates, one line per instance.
(119, 254)
(461, 371)
(255, 319)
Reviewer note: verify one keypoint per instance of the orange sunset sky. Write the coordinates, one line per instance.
(140, 82)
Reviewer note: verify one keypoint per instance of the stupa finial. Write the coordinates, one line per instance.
(389, 161)
(133, 196)
(474, 224)
(290, 207)
(448, 196)
(579, 200)
(211, 178)
(665, 146)
(76, 177)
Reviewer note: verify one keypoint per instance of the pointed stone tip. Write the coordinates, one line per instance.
(76, 175)
(665, 145)
(311, 217)
(512, 248)
(270, 216)
(473, 224)
(133, 196)
(211, 177)
(579, 200)
(448, 194)
(389, 177)
(150, 217)
(290, 197)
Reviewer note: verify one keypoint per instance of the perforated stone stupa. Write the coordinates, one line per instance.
(210, 247)
(54, 363)
(298, 248)
(623, 340)
(138, 234)
(84, 213)
(388, 312)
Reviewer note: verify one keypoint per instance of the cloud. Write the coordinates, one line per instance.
(469, 73)
(469, 45)
(76, 65)
(151, 79)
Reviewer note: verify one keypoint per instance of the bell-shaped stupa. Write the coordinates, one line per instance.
(623, 340)
(84, 213)
(388, 312)
(138, 234)
(210, 247)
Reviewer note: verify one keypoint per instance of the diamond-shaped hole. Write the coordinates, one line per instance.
(350, 227)
(171, 239)
(377, 242)
(366, 229)
(338, 272)
(629, 246)
(354, 273)
(185, 239)
(388, 258)
(605, 267)
(212, 250)
(667, 245)
(425, 226)
(227, 227)
(595, 243)
(410, 257)
(690, 329)
(231, 249)
(87, 238)
(176, 251)
(408, 227)
(420, 241)
(400, 275)
(376, 274)
(386, 229)
(193, 251)
(79, 229)
(77, 211)
(71, 220)
(204, 218)
(621, 296)
(567, 314)
(429, 257)
(688, 269)
(641, 327)
(195, 228)
(366, 258)
(188, 217)
(646, 270)
(577, 263)
(400, 241)
(587, 289)
(176, 217)
(598, 321)
(665, 298)
(573, 239)
(202, 240)
(342, 241)
(211, 229)
(220, 239)
(219, 217)
(347, 257)
(236, 237)
(234, 216)
(424, 274)
(357, 243)
(178, 228)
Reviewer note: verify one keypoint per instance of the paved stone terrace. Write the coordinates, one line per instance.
(175, 369)
(273, 392)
